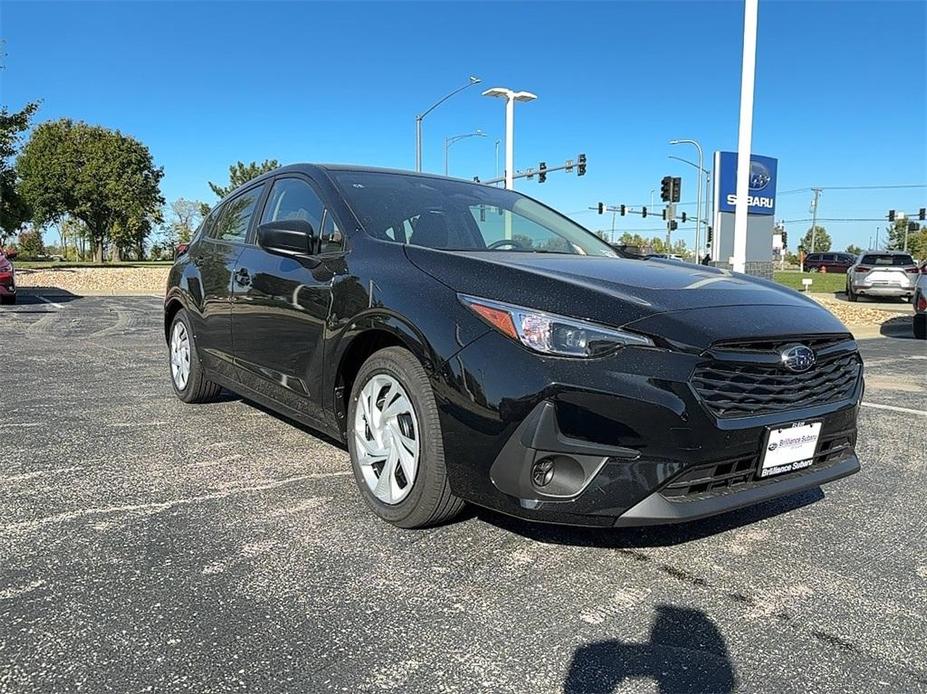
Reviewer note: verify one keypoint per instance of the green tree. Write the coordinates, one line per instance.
(854, 249)
(821, 241)
(239, 174)
(183, 217)
(916, 233)
(105, 179)
(14, 211)
(31, 245)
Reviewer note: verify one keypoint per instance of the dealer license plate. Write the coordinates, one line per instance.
(790, 448)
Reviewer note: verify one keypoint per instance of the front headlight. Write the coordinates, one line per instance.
(551, 334)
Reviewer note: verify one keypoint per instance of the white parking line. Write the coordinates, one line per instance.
(894, 408)
(42, 298)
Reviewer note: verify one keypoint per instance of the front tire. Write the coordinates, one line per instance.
(920, 326)
(187, 374)
(396, 444)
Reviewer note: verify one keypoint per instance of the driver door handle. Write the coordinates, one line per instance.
(243, 277)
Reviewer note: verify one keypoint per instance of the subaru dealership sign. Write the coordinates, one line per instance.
(762, 199)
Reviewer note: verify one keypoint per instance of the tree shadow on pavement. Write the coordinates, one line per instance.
(649, 536)
(686, 653)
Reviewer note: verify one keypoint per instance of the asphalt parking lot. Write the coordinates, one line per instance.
(148, 545)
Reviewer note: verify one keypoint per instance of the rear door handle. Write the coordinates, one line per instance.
(243, 277)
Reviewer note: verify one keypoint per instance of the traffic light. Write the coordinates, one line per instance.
(912, 226)
(666, 188)
(891, 215)
(601, 208)
(785, 239)
(708, 241)
(581, 165)
(542, 172)
(643, 212)
(673, 225)
(622, 208)
(664, 214)
(676, 189)
(922, 214)
(684, 217)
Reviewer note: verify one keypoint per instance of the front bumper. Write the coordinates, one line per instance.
(633, 443)
(883, 290)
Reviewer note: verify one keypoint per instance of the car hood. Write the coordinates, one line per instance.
(615, 291)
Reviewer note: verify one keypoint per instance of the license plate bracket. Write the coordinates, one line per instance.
(789, 447)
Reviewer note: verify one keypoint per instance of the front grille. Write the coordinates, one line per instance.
(744, 379)
(734, 475)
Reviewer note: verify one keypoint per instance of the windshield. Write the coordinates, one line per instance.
(887, 259)
(459, 216)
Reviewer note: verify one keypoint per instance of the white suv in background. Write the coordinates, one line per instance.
(882, 273)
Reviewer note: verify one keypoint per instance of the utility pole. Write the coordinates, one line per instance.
(814, 218)
(745, 135)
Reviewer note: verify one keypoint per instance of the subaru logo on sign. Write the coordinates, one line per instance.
(797, 358)
(759, 175)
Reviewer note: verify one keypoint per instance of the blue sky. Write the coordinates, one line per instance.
(840, 96)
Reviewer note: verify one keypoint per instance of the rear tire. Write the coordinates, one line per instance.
(7, 299)
(851, 295)
(920, 326)
(187, 375)
(393, 376)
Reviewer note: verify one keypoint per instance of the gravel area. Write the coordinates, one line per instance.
(105, 280)
(860, 313)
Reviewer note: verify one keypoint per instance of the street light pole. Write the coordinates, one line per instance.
(745, 135)
(698, 194)
(420, 117)
(510, 97)
(448, 141)
(498, 142)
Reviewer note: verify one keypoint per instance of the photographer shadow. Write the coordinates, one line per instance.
(686, 653)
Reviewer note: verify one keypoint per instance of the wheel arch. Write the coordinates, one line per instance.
(171, 308)
(362, 338)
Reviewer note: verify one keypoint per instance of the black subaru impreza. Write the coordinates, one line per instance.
(471, 344)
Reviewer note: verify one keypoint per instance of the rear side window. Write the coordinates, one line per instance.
(235, 217)
(814, 256)
(293, 198)
(887, 259)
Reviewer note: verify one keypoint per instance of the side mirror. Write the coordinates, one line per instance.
(287, 236)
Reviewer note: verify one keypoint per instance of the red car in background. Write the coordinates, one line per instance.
(829, 262)
(7, 278)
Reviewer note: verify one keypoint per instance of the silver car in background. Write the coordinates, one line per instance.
(920, 304)
(884, 274)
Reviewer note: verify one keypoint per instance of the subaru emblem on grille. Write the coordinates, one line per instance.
(797, 358)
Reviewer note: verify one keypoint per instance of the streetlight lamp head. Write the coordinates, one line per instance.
(474, 79)
(674, 142)
(498, 91)
(524, 96)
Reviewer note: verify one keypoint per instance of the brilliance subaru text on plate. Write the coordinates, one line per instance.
(470, 344)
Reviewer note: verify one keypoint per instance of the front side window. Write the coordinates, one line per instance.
(460, 216)
(235, 217)
(293, 198)
(332, 240)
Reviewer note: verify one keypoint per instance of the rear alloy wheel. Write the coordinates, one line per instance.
(187, 375)
(394, 437)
